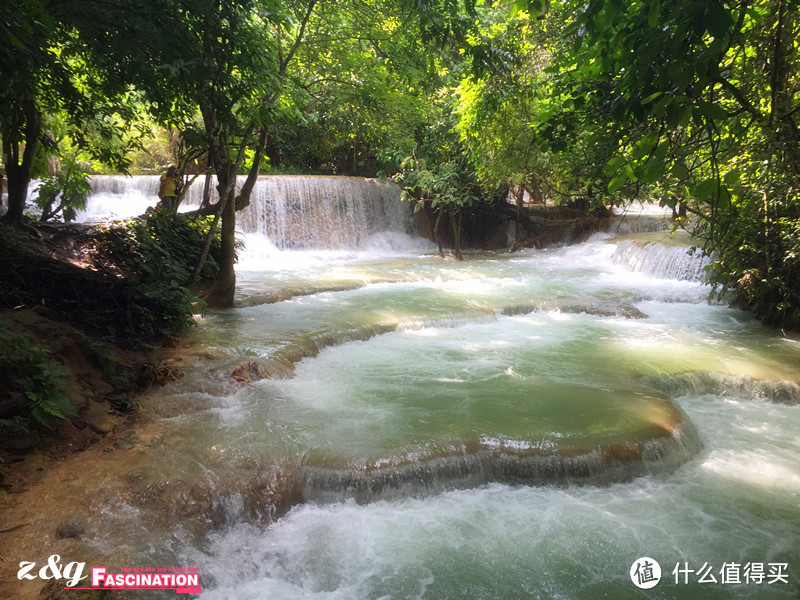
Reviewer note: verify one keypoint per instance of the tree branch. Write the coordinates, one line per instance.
(740, 98)
(284, 62)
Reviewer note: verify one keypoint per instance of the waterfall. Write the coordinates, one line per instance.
(300, 212)
(659, 260)
(512, 463)
(293, 212)
(119, 197)
(122, 190)
(645, 223)
(121, 185)
(698, 383)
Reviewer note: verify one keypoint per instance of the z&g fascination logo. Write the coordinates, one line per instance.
(184, 580)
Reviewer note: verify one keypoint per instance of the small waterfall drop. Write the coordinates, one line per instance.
(123, 193)
(699, 383)
(660, 260)
(293, 212)
(303, 212)
(119, 197)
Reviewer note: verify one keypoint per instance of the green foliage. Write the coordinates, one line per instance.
(761, 257)
(121, 375)
(62, 194)
(30, 370)
(446, 186)
(356, 87)
(157, 253)
(688, 103)
(440, 175)
(159, 246)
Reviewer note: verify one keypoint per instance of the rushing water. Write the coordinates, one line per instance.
(514, 426)
(291, 211)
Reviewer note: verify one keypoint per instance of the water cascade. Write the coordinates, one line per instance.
(512, 426)
(324, 212)
(701, 383)
(291, 211)
(120, 197)
(668, 260)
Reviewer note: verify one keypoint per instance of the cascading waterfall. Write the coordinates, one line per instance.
(120, 185)
(512, 426)
(324, 212)
(119, 193)
(293, 212)
(119, 197)
(700, 383)
(669, 262)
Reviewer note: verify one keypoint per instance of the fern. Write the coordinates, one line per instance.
(51, 404)
(29, 369)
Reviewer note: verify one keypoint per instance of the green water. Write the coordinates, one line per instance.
(413, 362)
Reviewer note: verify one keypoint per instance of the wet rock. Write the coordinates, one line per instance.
(99, 430)
(625, 310)
(98, 419)
(246, 372)
(78, 422)
(122, 402)
(127, 440)
(71, 527)
(629, 312)
(167, 371)
(278, 367)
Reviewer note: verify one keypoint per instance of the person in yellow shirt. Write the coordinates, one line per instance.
(170, 188)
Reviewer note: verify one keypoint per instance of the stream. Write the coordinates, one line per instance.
(514, 426)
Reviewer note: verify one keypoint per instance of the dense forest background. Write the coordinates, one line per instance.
(689, 104)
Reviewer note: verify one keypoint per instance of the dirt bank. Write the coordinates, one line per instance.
(51, 482)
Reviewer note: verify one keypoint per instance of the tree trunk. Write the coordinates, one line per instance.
(18, 180)
(18, 168)
(206, 192)
(212, 231)
(455, 221)
(436, 234)
(222, 293)
(520, 196)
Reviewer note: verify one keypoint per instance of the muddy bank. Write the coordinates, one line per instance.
(53, 482)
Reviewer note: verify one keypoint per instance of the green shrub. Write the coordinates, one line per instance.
(29, 370)
(157, 253)
(760, 255)
(63, 194)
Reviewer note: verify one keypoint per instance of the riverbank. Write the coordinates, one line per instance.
(51, 481)
(102, 381)
(82, 309)
(88, 317)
